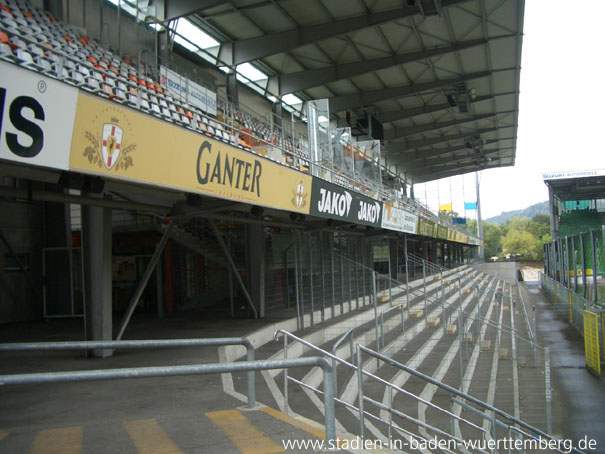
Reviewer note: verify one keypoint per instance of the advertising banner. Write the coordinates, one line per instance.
(36, 118)
(426, 227)
(335, 202)
(442, 232)
(397, 219)
(118, 142)
(188, 91)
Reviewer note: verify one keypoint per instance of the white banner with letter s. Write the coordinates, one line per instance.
(36, 118)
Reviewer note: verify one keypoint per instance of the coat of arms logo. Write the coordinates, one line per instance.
(109, 149)
(299, 197)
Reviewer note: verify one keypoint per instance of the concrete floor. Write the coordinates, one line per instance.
(578, 396)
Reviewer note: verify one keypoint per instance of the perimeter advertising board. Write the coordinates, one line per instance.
(335, 202)
(397, 219)
(187, 90)
(118, 142)
(425, 227)
(36, 118)
(442, 232)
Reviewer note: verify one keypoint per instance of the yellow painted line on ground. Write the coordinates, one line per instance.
(67, 440)
(149, 437)
(247, 438)
(316, 432)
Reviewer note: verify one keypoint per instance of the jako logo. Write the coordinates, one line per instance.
(368, 212)
(334, 203)
(22, 124)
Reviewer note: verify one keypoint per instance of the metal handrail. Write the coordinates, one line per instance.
(138, 344)
(359, 370)
(398, 307)
(347, 334)
(195, 369)
(436, 266)
(457, 392)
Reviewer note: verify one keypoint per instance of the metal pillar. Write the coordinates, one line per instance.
(479, 223)
(333, 285)
(312, 296)
(144, 279)
(256, 246)
(575, 264)
(96, 260)
(594, 266)
(233, 266)
(583, 252)
(322, 276)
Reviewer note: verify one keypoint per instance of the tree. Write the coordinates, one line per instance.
(520, 242)
(492, 235)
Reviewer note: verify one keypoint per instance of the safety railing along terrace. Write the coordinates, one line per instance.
(408, 431)
(249, 366)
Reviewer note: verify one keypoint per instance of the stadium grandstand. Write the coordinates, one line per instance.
(574, 262)
(211, 175)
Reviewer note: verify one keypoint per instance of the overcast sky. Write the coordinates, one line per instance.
(562, 102)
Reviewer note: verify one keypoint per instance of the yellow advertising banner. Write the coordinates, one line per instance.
(118, 142)
(591, 342)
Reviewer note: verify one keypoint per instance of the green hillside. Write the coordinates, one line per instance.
(529, 212)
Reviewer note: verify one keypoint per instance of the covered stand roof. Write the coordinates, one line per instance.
(442, 76)
(582, 185)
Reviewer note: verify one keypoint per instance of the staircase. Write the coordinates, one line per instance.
(469, 336)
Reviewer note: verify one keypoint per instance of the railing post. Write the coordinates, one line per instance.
(311, 296)
(331, 245)
(381, 344)
(342, 286)
(460, 328)
(250, 377)
(407, 276)
(285, 376)
(548, 390)
(297, 283)
(390, 414)
(535, 334)
(375, 304)
(594, 266)
(330, 417)
(402, 320)
(583, 251)
(323, 277)
(360, 393)
(452, 419)
(424, 283)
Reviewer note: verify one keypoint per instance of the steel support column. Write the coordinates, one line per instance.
(96, 261)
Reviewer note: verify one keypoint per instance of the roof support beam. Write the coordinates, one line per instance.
(290, 83)
(413, 144)
(245, 50)
(426, 163)
(388, 117)
(174, 9)
(454, 169)
(424, 154)
(344, 102)
(398, 133)
(459, 171)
